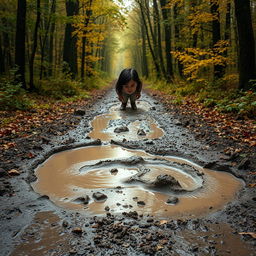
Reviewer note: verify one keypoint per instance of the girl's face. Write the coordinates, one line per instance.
(130, 87)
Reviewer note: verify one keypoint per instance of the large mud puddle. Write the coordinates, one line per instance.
(98, 179)
(129, 124)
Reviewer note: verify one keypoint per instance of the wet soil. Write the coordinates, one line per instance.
(35, 224)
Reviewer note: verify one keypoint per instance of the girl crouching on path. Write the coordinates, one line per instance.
(128, 86)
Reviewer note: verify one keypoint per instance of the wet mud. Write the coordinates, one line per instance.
(126, 125)
(150, 188)
(128, 177)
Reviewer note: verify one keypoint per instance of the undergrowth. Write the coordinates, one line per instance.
(62, 88)
(213, 95)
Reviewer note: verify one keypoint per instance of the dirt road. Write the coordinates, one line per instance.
(126, 183)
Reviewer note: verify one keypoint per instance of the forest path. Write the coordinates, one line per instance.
(136, 219)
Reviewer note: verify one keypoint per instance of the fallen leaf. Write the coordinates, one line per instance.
(252, 185)
(252, 234)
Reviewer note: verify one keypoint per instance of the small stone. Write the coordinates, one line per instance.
(77, 230)
(113, 171)
(172, 200)
(165, 179)
(107, 208)
(84, 200)
(141, 203)
(65, 224)
(99, 196)
(121, 129)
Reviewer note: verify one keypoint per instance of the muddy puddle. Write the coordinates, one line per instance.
(214, 239)
(44, 236)
(110, 178)
(129, 124)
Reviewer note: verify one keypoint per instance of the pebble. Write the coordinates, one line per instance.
(99, 196)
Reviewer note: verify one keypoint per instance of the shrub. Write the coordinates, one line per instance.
(12, 96)
(60, 88)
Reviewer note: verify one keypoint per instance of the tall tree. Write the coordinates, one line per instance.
(246, 53)
(152, 52)
(218, 69)
(31, 63)
(144, 60)
(70, 40)
(159, 37)
(167, 35)
(51, 40)
(20, 43)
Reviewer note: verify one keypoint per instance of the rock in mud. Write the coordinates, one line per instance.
(79, 112)
(107, 208)
(83, 199)
(99, 196)
(166, 180)
(141, 203)
(141, 132)
(172, 200)
(77, 230)
(113, 171)
(65, 224)
(121, 129)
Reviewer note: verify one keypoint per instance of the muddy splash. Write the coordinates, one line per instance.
(129, 124)
(98, 179)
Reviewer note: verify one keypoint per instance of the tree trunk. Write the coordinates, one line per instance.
(86, 23)
(2, 67)
(6, 51)
(177, 38)
(31, 63)
(167, 34)
(52, 30)
(159, 38)
(218, 69)
(144, 67)
(148, 40)
(20, 43)
(246, 54)
(70, 40)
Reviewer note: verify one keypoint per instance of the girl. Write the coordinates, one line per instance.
(128, 86)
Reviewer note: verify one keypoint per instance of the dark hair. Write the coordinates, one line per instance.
(125, 76)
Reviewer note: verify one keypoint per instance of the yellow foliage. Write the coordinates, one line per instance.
(196, 59)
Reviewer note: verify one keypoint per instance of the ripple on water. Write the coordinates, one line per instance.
(81, 172)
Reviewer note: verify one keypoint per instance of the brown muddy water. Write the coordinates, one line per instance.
(67, 176)
(44, 237)
(139, 124)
